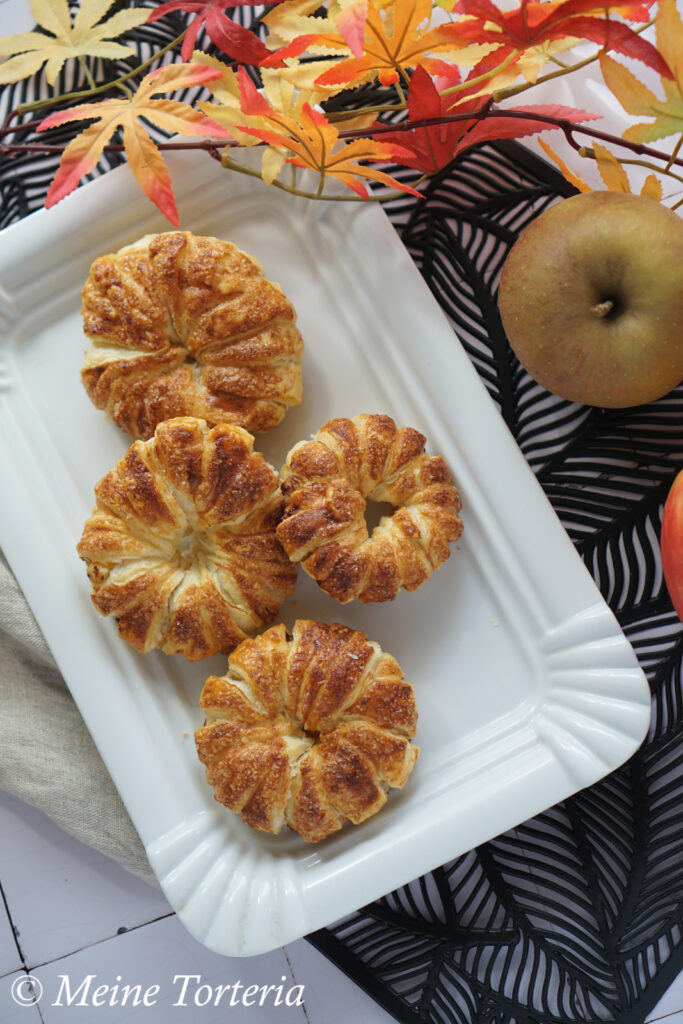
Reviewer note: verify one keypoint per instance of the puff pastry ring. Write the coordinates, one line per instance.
(309, 730)
(326, 482)
(181, 546)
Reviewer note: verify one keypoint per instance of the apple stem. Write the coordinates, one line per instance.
(603, 308)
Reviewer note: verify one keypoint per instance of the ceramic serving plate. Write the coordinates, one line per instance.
(526, 687)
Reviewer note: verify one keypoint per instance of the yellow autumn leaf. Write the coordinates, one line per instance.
(295, 18)
(652, 188)
(573, 179)
(637, 99)
(87, 36)
(611, 171)
(528, 66)
(304, 76)
(272, 162)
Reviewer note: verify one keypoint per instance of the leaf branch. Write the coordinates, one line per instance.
(569, 128)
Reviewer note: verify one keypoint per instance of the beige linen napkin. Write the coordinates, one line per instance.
(47, 757)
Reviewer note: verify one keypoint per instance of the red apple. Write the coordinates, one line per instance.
(591, 299)
(672, 544)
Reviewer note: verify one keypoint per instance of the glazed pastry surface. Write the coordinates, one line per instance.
(181, 546)
(309, 730)
(326, 483)
(187, 325)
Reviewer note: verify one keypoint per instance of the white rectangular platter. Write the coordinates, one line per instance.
(526, 687)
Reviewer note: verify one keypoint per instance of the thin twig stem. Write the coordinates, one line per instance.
(87, 72)
(640, 163)
(569, 128)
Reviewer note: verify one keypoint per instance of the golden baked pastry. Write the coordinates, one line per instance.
(181, 545)
(184, 325)
(308, 730)
(326, 482)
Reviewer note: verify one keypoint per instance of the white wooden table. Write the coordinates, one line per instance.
(70, 912)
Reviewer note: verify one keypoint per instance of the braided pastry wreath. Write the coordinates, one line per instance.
(326, 482)
(187, 325)
(181, 545)
(308, 730)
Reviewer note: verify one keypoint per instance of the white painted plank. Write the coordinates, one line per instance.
(152, 957)
(670, 1005)
(331, 997)
(62, 894)
(10, 958)
(16, 1000)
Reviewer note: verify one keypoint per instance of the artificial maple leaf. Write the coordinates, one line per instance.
(434, 147)
(281, 96)
(291, 19)
(88, 36)
(533, 24)
(637, 99)
(315, 143)
(611, 171)
(574, 179)
(144, 158)
(229, 36)
(393, 45)
(351, 20)
(614, 175)
(527, 65)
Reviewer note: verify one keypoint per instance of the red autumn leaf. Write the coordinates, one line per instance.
(144, 158)
(532, 24)
(433, 147)
(233, 39)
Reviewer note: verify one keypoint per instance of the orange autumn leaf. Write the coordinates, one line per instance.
(144, 157)
(393, 45)
(315, 144)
